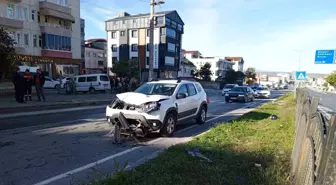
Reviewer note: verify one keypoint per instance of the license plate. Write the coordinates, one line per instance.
(233, 98)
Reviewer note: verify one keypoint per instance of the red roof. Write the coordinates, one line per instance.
(234, 58)
(190, 52)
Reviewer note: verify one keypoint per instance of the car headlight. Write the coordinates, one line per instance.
(226, 94)
(151, 106)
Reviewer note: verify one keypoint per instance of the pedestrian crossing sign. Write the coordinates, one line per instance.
(301, 75)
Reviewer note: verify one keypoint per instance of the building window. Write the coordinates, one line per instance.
(147, 61)
(18, 36)
(114, 60)
(33, 15)
(10, 11)
(114, 48)
(95, 55)
(122, 33)
(134, 33)
(173, 24)
(40, 41)
(134, 47)
(134, 21)
(168, 21)
(56, 42)
(179, 27)
(171, 47)
(148, 47)
(170, 61)
(25, 14)
(162, 31)
(38, 17)
(159, 20)
(113, 35)
(134, 60)
(26, 39)
(170, 33)
(35, 40)
(88, 54)
(18, 12)
(100, 63)
(45, 18)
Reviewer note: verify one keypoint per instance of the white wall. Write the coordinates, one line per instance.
(132, 41)
(76, 33)
(91, 61)
(185, 71)
(111, 42)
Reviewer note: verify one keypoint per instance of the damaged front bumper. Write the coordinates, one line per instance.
(131, 117)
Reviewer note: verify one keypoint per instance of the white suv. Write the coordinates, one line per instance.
(158, 106)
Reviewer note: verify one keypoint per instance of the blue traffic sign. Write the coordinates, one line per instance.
(301, 75)
(325, 57)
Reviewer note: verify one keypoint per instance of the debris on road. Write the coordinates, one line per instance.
(194, 152)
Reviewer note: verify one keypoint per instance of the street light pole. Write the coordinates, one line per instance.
(153, 3)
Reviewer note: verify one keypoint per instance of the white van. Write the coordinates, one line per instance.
(92, 82)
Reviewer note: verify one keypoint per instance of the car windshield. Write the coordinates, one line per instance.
(239, 89)
(229, 86)
(156, 89)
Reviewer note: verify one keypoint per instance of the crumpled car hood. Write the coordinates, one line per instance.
(138, 98)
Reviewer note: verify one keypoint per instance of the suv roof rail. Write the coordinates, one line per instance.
(179, 79)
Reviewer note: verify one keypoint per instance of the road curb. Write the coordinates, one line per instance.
(48, 109)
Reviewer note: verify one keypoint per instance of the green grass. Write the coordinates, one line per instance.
(234, 147)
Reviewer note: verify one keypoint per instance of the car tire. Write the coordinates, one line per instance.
(57, 86)
(91, 90)
(245, 99)
(117, 133)
(169, 125)
(201, 116)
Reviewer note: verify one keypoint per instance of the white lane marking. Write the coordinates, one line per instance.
(90, 165)
(34, 113)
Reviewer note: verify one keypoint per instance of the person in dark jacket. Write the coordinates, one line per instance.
(18, 82)
(39, 81)
(28, 85)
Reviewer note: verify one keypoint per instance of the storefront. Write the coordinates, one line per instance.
(52, 67)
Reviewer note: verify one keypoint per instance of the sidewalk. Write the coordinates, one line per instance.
(53, 101)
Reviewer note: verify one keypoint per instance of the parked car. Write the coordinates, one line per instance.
(92, 82)
(51, 84)
(228, 87)
(263, 92)
(240, 93)
(158, 106)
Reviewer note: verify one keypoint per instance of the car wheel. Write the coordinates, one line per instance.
(57, 86)
(117, 133)
(169, 125)
(201, 117)
(245, 99)
(92, 90)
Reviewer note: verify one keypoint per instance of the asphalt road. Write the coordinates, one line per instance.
(47, 147)
(327, 99)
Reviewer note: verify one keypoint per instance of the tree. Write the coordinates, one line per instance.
(250, 75)
(331, 79)
(7, 53)
(231, 77)
(205, 72)
(126, 68)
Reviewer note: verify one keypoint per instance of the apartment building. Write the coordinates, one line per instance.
(187, 68)
(95, 56)
(219, 65)
(46, 32)
(128, 38)
(239, 61)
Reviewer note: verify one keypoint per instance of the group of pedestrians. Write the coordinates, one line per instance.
(23, 85)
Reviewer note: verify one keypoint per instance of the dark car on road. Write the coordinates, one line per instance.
(240, 93)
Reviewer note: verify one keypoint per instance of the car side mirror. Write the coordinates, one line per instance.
(180, 96)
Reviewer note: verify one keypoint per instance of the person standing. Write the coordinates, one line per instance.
(28, 85)
(18, 82)
(39, 81)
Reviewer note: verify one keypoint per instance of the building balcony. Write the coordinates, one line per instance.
(55, 10)
(56, 53)
(55, 29)
(13, 23)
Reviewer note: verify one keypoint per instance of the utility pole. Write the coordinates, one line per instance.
(153, 3)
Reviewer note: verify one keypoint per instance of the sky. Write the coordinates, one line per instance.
(273, 35)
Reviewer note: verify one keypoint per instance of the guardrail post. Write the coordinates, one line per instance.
(314, 105)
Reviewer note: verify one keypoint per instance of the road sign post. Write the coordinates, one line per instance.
(325, 57)
(301, 75)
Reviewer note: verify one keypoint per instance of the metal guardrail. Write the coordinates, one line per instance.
(314, 154)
